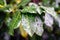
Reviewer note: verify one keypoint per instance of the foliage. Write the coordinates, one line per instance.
(28, 17)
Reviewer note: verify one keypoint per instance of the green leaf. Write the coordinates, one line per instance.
(7, 8)
(29, 9)
(14, 22)
(32, 8)
(3, 2)
(37, 8)
(24, 3)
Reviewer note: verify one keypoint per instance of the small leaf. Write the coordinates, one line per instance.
(39, 26)
(48, 20)
(50, 10)
(26, 24)
(14, 22)
(30, 9)
(37, 8)
(24, 3)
